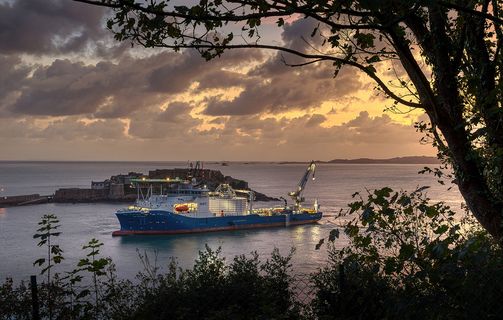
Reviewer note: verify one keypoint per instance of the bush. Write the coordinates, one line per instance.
(244, 289)
(15, 302)
(409, 259)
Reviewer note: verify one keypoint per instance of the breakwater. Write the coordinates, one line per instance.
(21, 200)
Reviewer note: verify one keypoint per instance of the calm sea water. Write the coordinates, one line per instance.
(333, 187)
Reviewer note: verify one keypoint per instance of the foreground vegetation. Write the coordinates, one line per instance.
(407, 258)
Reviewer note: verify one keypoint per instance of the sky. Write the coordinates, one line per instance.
(68, 91)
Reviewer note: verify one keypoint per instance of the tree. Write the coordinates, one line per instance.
(47, 231)
(459, 85)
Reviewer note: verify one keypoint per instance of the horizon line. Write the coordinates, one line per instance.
(222, 160)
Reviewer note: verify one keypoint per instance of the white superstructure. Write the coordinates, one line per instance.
(194, 202)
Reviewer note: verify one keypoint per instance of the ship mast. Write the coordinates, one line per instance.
(297, 194)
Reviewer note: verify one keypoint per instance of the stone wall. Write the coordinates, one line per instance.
(79, 195)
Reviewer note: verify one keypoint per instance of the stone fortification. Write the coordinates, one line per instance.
(119, 188)
(211, 178)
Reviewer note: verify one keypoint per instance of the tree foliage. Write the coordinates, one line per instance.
(46, 233)
(408, 258)
(450, 51)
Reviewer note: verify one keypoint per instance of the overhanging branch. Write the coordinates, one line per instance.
(460, 8)
(279, 12)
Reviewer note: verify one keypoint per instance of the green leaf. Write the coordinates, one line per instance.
(334, 234)
(83, 262)
(389, 265)
(406, 251)
(441, 229)
(319, 244)
(384, 192)
(355, 206)
(83, 294)
(364, 40)
(431, 212)
(365, 241)
(351, 230)
(373, 59)
(39, 262)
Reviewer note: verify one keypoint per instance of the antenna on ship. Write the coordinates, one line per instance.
(297, 194)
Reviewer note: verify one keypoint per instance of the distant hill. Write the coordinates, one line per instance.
(397, 160)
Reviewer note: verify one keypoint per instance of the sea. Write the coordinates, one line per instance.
(333, 186)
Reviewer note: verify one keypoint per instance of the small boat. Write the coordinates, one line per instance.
(183, 206)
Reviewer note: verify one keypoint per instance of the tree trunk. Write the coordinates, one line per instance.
(445, 110)
(471, 183)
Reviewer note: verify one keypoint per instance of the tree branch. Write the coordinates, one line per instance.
(230, 17)
(459, 8)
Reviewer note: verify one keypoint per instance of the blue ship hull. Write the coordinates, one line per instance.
(165, 222)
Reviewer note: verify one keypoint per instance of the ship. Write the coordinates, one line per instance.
(180, 206)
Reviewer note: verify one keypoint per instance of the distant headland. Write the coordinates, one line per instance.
(395, 160)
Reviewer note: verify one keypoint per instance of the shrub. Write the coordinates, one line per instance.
(244, 289)
(410, 259)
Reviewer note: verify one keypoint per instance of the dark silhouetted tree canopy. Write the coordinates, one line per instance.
(450, 52)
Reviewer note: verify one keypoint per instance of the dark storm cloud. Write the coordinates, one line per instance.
(222, 79)
(175, 75)
(274, 87)
(48, 26)
(117, 89)
(64, 88)
(298, 89)
(174, 123)
(12, 73)
(108, 89)
(299, 36)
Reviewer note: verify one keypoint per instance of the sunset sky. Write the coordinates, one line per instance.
(68, 91)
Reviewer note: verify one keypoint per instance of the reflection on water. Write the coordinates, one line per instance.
(81, 222)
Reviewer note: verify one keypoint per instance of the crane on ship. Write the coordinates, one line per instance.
(297, 194)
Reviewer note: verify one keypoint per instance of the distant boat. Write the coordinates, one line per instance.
(185, 207)
(225, 164)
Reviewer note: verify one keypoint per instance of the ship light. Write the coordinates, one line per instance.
(143, 179)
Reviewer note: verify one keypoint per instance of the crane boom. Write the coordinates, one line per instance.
(297, 194)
